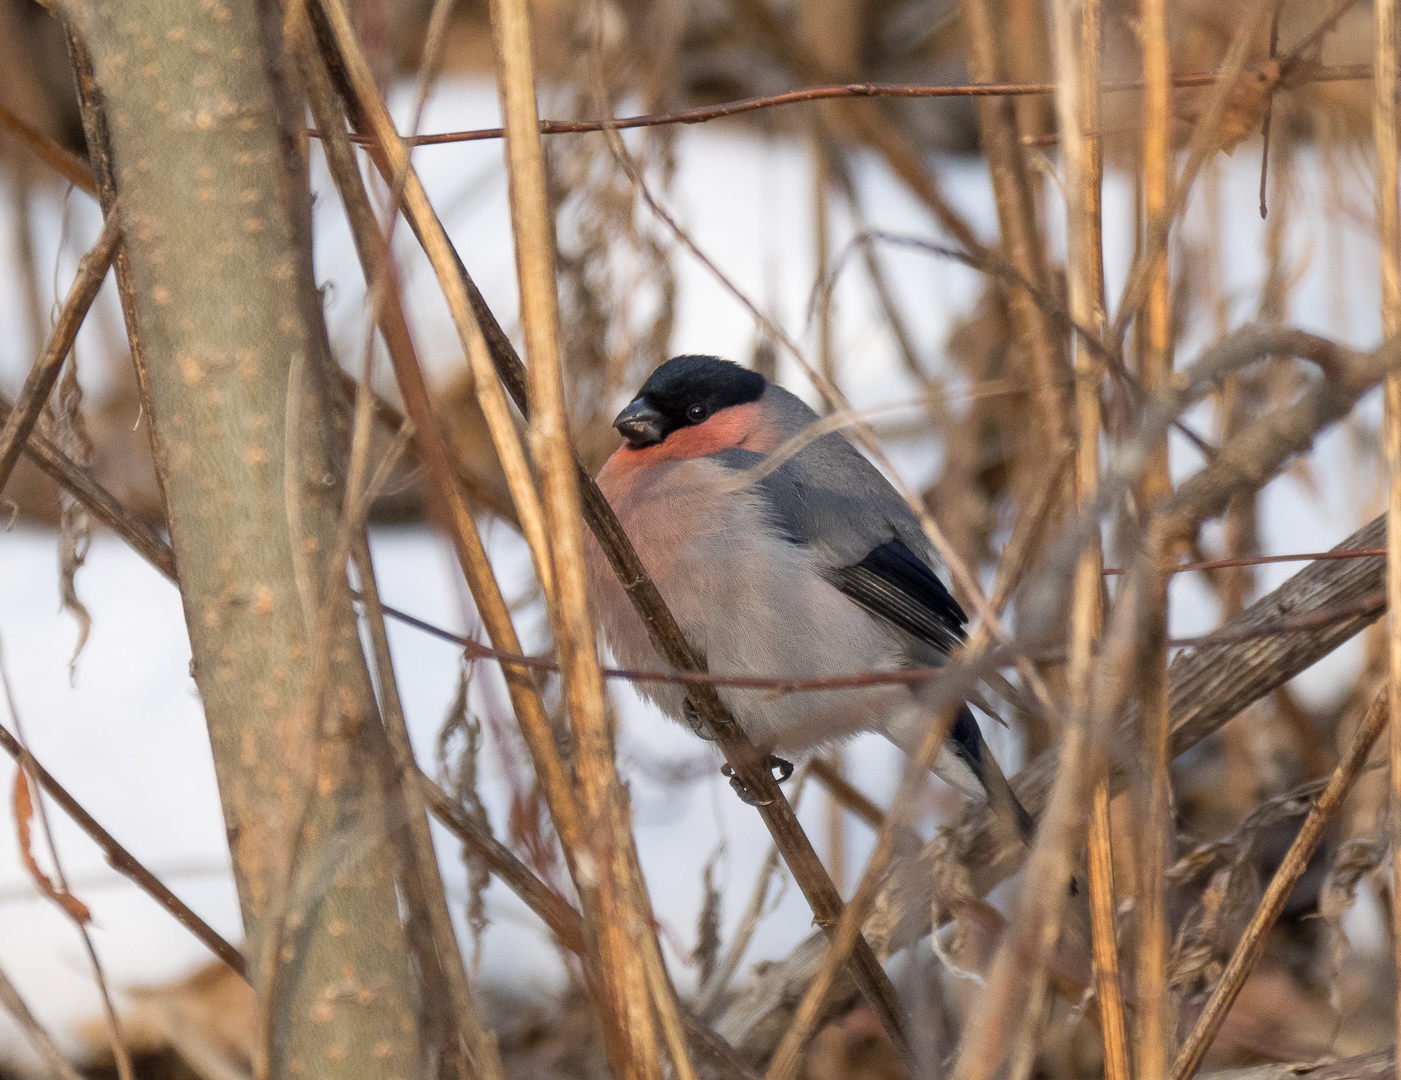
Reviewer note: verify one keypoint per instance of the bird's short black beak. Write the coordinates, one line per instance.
(640, 424)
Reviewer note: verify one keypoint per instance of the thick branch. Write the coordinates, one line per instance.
(232, 354)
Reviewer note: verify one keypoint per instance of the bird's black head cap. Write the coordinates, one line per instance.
(685, 391)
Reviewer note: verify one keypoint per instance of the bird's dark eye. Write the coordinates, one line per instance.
(696, 413)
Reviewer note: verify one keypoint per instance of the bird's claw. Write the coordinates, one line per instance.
(693, 718)
(777, 766)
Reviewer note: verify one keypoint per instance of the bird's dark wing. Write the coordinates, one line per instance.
(866, 541)
(893, 584)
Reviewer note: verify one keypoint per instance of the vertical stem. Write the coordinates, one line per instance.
(822, 244)
(1156, 368)
(1389, 227)
(478, 1045)
(830, 33)
(836, 825)
(1016, 214)
(1077, 101)
(1252, 942)
(628, 948)
(39, 384)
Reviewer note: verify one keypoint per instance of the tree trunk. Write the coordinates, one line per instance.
(194, 131)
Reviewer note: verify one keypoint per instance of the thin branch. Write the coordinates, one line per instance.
(478, 1048)
(559, 916)
(702, 114)
(76, 912)
(39, 384)
(1296, 860)
(68, 165)
(41, 449)
(120, 859)
(747, 763)
(39, 1039)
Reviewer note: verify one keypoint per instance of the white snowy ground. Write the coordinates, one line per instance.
(126, 735)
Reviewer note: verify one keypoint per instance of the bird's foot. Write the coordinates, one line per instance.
(779, 767)
(693, 718)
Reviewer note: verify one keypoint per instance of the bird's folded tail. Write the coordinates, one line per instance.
(966, 741)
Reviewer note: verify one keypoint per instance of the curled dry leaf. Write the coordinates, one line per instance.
(1245, 108)
(707, 951)
(75, 524)
(24, 813)
(1357, 860)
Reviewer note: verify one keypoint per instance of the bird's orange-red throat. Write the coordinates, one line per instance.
(737, 426)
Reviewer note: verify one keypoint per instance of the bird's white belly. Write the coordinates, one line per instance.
(751, 602)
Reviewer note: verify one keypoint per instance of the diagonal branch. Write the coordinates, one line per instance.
(667, 638)
(119, 858)
(1207, 685)
(1296, 860)
(98, 501)
(92, 270)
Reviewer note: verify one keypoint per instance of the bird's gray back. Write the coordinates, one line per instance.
(827, 495)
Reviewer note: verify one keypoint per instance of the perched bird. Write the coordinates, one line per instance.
(815, 567)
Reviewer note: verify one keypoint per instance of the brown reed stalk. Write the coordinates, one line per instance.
(666, 635)
(428, 436)
(478, 1047)
(1384, 132)
(630, 960)
(393, 155)
(1078, 107)
(530, 711)
(1205, 143)
(39, 384)
(1295, 862)
(867, 126)
(1022, 243)
(1154, 810)
(787, 1058)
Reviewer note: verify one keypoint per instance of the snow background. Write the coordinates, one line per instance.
(126, 735)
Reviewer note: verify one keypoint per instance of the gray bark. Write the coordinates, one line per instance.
(1378, 1065)
(201, 148)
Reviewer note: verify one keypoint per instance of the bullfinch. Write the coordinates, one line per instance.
(814, 567)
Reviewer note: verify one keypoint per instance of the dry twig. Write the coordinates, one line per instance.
(1252, 942)
(39, 384)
